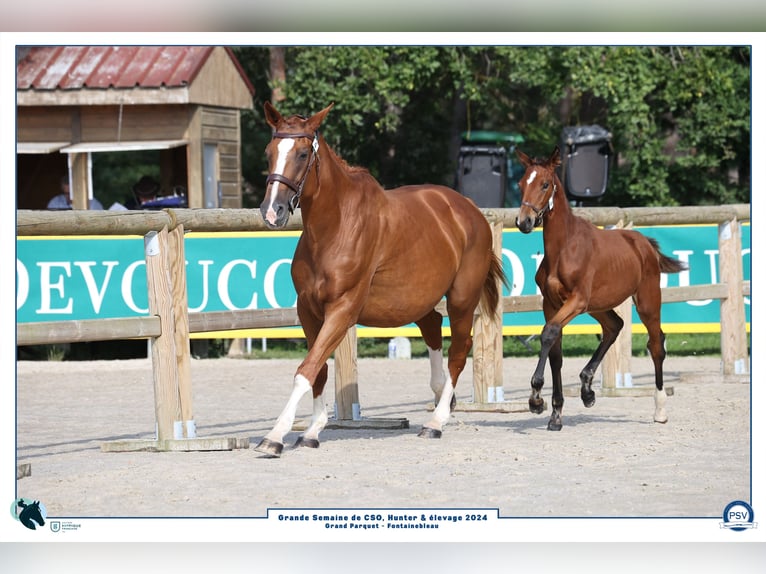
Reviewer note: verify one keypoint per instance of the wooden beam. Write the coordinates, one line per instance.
(35, 223)
(52, 332)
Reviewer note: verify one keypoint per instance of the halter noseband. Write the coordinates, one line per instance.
(541, 211)
(296, 187)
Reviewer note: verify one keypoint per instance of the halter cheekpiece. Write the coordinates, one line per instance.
(294, 201)
(541, 211)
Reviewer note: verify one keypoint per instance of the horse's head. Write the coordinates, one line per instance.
(292, 153)
(538, 187)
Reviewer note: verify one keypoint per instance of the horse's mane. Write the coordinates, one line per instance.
(350, 169)
(296, 120)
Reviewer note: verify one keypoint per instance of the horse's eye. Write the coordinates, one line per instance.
(303, 155)
(545, 186)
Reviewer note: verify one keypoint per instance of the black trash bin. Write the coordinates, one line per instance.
(585, 155)
(482, 174)
(486, 170)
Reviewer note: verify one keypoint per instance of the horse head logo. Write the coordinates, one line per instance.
(31, 514)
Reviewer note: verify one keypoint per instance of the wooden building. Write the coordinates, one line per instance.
(75, 101)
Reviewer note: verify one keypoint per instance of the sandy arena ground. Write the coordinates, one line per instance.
(609, 460)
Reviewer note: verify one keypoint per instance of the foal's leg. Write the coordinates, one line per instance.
(648, 300)
(611, 325)
(431, 329)
(551, 334)
(550, 342)
(555, 359)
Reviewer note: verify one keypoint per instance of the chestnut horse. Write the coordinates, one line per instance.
(372, 257)
(588, 270)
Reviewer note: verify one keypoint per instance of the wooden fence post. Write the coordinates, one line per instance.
(348, 413)
(488, 340)
(166, 402)
(177, 261)
(615, 369)
(733, 325)
(347, 379)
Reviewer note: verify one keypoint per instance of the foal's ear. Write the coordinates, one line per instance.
(523, 158)
(273, 117)
(555, 159)
(315, 121)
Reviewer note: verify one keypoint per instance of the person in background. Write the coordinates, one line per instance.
(64, 199)
(144, 191)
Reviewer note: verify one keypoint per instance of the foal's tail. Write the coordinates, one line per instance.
(491, 293)
(667, 264)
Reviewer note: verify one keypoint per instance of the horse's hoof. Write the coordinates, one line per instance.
(588, 398)
(662, 419)
(307, 442)
(430, 433)
(270, 448)
(536, 406)
(554, 425)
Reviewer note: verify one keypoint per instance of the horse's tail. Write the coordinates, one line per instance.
(491, 293)
(667, 264)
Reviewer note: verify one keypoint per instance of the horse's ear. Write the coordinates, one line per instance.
(273, 117)
(523, 158)
(555, 159)
(316, 120)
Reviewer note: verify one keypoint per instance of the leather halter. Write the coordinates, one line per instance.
(541, 211)
(293, 202)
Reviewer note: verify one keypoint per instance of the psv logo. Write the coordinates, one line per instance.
(738, 516)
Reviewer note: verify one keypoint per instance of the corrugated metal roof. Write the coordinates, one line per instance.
(102, 67)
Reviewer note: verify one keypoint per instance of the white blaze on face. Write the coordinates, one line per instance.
(532, 177)
(283, 148)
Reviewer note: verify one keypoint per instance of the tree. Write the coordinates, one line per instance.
(680, 116)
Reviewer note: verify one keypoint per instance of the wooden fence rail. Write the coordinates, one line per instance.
(487, 327)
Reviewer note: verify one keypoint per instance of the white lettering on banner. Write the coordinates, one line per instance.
(517, 272)
(269, 283)
(96, 294)
(206, 263)
(46, 287)
(22, 284)
(126, 287)
(223, 284)
(684, 276)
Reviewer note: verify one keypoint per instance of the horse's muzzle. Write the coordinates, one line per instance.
(275, 215)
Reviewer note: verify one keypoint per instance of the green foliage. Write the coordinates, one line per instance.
(680, 116)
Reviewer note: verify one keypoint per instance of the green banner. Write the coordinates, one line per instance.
(75, 278)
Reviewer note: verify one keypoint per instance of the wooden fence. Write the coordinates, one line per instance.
(169, 323)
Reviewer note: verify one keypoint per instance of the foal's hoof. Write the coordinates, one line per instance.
(588, 398)
(536, 405)
(307, 442)
(270, 448)
(430, 433)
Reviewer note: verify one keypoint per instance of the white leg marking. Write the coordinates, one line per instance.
(284, 148)
(318, 420)
(660, 398)
(532, 176)
(442, 410)
(437, 371)
(285, 421)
